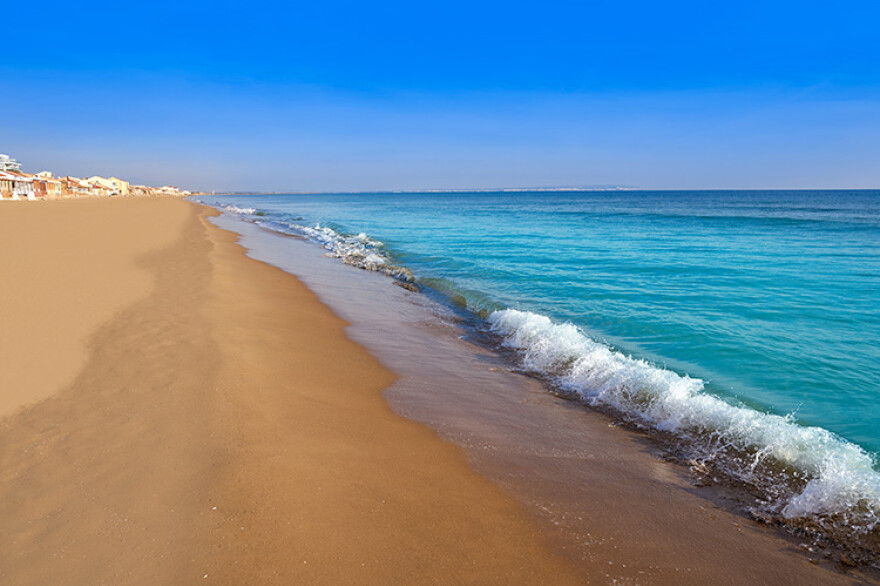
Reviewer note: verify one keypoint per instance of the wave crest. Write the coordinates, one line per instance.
(804, 473)
(240, 211)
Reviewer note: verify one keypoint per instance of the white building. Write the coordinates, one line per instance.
(7, 163)
(15, 186)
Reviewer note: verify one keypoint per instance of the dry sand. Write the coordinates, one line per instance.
(174, 412)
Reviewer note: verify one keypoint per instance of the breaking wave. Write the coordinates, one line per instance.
(805, 476)
(357, 250)
(240, 211)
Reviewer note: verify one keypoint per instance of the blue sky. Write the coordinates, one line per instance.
(392, 95)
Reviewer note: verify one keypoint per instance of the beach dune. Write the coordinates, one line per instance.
(172, 411)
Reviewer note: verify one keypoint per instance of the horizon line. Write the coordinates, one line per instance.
(532, 189)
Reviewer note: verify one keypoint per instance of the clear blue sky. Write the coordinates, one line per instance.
(406, 95)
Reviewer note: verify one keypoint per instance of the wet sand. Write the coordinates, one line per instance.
(174, 412)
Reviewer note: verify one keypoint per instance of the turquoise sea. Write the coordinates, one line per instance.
(746, 323)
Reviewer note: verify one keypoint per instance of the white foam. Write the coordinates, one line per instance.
(358, 250)
(240, 211)
(841, 478)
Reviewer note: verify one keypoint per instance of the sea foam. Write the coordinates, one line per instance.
(358, 250)
(240, 211)
(805, 473)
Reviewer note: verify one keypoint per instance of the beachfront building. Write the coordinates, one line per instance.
(100, 188)
(102, 185)
(54, 187)
(46, 185)
(123, 187)
(40, 187)
(7, 163)
(140, 190)
(171, 190)
(24, 185)
(15, 185)
(75, 187)
(113, 185)
(5, 186)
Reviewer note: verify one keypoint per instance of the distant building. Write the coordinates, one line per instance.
(102, 185)
(123, 187)
(46, 185)
(7, 163)
(6, 185)
(172, 190)
(112, 185)
(75, 187)
(15, 185)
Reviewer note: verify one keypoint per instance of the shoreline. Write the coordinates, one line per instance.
(224, 424)
(798, 472)
(572, 440)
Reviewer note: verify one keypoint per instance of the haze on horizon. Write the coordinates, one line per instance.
(348, 96)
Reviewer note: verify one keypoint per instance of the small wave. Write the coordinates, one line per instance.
(357, 250)
(807, 476)
(240, 211)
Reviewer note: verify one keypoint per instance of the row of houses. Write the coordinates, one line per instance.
(18, 185)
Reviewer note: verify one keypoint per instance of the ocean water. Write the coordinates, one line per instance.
(743, 325)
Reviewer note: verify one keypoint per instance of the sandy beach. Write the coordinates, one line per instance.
(173, 411)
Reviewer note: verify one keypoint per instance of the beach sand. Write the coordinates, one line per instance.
(173, 411)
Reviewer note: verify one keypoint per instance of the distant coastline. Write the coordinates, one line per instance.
(532, 190)
(434, 190)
